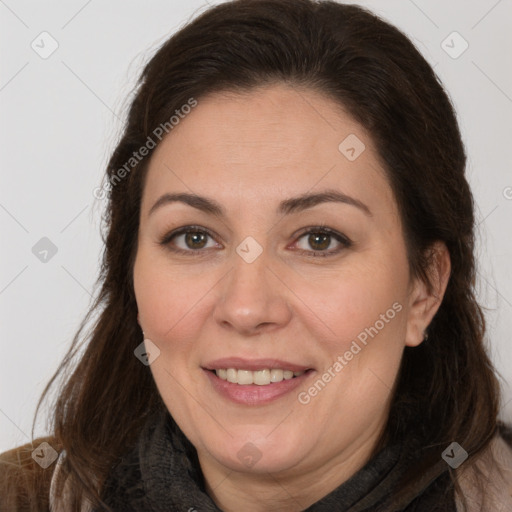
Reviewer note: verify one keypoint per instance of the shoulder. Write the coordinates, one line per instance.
(26, 473)
(486, 481)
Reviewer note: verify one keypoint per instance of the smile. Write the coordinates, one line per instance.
(263, 377)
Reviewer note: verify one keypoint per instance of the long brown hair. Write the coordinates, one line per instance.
(446, 388)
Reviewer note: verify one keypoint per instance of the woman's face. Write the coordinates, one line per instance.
(294, 262)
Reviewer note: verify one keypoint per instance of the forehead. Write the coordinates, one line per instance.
(267, 144)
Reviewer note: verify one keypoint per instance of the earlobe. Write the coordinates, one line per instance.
(425, 301)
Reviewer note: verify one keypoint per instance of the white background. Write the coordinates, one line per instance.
(60, 118)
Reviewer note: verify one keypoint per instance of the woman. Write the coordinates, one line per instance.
(287, 313)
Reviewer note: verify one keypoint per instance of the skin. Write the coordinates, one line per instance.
(249, 152)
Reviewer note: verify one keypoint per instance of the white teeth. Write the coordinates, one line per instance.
(276, 375)
(259, 377)
(245, 377)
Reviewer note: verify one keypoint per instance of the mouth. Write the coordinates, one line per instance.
(263, 377)
(255, 382)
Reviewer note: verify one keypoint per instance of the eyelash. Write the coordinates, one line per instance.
(321, 229)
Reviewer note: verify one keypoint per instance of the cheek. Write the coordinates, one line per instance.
(358, 299)
(169, 302)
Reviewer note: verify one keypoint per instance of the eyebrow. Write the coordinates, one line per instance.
(286, 207)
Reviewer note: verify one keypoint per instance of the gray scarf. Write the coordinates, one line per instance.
(162, 474)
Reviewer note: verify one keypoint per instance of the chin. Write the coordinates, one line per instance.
(256, 454)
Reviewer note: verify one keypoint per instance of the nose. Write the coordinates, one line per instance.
(252, 298)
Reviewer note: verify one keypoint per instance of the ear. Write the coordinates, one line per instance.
(423, 304)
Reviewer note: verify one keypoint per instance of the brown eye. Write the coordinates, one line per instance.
(195, 239)
(318, 240)
(189, 240)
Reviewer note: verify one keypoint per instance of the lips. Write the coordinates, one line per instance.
(263, 392)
